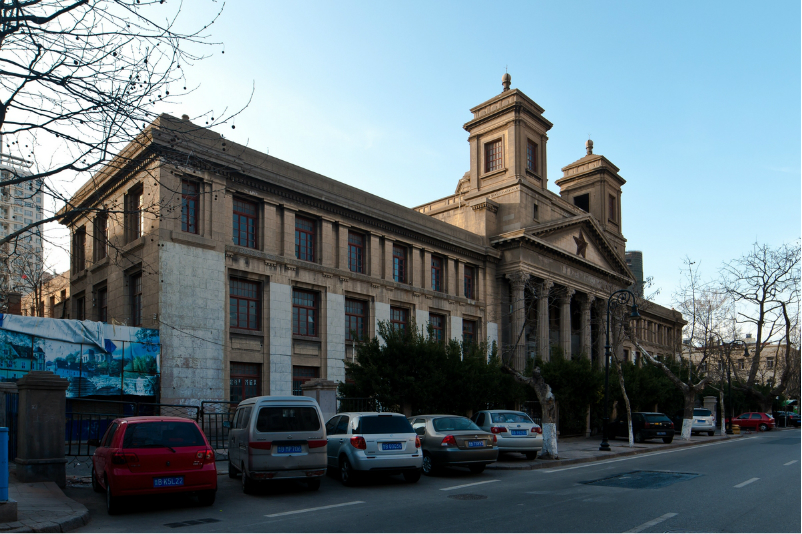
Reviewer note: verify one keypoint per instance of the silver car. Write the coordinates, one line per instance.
(703, 421)
(514, 431)
(372, 442)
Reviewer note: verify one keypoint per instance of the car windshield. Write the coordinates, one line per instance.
(448, 424)
(287, 419)
(383, 424)
(162, 434)
(510, 417)
(698, 412)
(656, 418)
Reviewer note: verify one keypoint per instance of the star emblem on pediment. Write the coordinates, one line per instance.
(581, 244)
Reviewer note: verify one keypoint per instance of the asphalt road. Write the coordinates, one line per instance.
(751, 484)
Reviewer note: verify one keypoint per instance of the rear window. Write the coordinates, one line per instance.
(287, 419)
(162, 434)
(448, 424)
(510, 417)
(699, 412)
(656, 418)
(383, 424)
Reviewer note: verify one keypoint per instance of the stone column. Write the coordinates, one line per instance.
(40, 428)
(328, 246)
(565, 322)
(416, 273)
(325, 393)
(375, 256)
(427, 269)
(270, 229)
(586, 304)
(388, 258)
(517, 339)
(450, 285)
(543, 320)
(461, 280)
(601, 311)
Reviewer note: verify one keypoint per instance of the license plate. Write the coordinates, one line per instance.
(167, 482)
(476, 444)
(518, 432)
(701, 421)
(661, 433)
(288, 449)
(391, 446)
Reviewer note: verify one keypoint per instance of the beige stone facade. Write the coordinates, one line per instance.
(260, 290)
(54, 301)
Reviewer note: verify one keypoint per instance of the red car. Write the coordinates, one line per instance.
(153, 455)
(755, 421)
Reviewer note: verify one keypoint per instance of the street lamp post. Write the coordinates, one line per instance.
(622, 296)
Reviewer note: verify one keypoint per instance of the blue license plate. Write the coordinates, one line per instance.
(288, 449)
(476, 444)
(661, 433)
(518, 432)
(168, 482)
(391, 446)
(701, 421)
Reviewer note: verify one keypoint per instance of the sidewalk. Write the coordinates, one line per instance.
(42, 507)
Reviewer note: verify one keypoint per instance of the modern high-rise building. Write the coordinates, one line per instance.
(635, 263)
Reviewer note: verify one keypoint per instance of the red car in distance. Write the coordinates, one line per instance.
(754, 421)
(152, 456)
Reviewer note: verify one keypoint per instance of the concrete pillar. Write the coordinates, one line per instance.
(325, 393)
(450, 286)
(565, 322)
(327, 245)
(40, 428)
(427, 269)
(710, 402)
(342, 247)
(388, 258)
(416, 269)
(543, 320)
(586, 304)
(375, 256)
(461, 279)
(289, 232)
(270, 229)
(517, 339)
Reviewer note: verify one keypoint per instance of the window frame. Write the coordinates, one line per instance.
(103, 305)
(356, 253)
(101, 236)
(438, 330)
(437, 273)
(469, 282)
(79, 249)
(402, 321)
(135, 298)
(253, 303)
(531, 156)
(310, 235)
(399, 263)
(300, 379)
(351, 317)
(237, 217)
(236, 371)
(465, 333)
(297, 308)
(133, 215)
(612, 209)
(494, 156)
(190, 207)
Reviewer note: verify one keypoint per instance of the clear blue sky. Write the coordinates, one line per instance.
(698, 103)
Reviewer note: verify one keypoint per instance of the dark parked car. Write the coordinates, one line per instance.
(785, 419)
(645, 425)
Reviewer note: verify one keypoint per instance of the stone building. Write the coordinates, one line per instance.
(304, 262)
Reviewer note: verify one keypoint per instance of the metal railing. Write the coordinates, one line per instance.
(212, 415)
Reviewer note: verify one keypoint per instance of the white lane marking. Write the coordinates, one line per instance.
(466, 485)
(636, 456)
(791, 462)
(315, 509)
(653, 522)
(742, 484)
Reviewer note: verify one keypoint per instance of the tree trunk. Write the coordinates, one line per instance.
(723, 416)
(626, 398)
(549, 406)
(688, 396)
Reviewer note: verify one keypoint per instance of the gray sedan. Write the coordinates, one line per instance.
(452, 440)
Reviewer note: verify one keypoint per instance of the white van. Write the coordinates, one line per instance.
(277, 438)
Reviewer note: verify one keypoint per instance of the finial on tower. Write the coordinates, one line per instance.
(505, 81)
(589, 147)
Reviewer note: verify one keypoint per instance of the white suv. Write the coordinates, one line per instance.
(703, 421)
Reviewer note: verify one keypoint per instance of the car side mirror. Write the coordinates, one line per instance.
(420, 431)
(226, 424)
(93, 442)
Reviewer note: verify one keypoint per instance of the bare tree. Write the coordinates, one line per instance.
(765, 286)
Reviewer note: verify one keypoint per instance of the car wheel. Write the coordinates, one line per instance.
(763, 427)
(668, 440)
(313, 484)
(347, 475)
(531, 455)
(412, 475)
(248, 484)
(711, 433)
(206, 498)
(112, 502)
(638, 437)
(95, 484)
(232, 471)
(428, 465)
(476, 468)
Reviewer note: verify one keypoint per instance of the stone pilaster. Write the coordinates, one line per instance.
(461, 280)
(586, 304)
(450, 286)
(517, 339)
(601, 310)
(388, 258)
(327, 245)
(270, 229)
(565, 322)
(342, 246)
(416, 269)
(427, 269)
(543, 320)
(289, 232)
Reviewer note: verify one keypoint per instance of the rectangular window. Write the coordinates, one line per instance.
(244, 381)
(356, 252)
(437, 274)
(469, 330)
(399, 263)
(531, 156)
(189, 207)
(79, 249)
(438, 323)
(534, 212)
(304, 239)
(399, 318)
(80, 308)
(302, 375)
(135, 285)
(101, 236)
(52, 306)
(469, 282)
(133, 215)
(245, 221)
(103, 305)
(770, 363)
(304, 313)
(243, 300)
(741, 364)
(611, 211)
(493, 156)
(355, 319)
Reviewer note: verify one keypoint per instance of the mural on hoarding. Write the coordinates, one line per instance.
(96, 358)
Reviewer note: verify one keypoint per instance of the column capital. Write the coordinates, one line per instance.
(569, 293)
(517, 279)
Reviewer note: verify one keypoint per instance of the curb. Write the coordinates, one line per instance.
(66, 524)
(558, 463)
